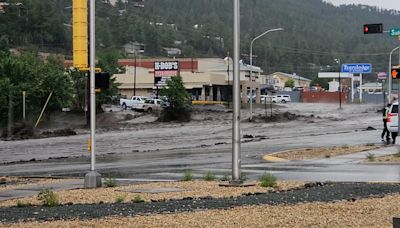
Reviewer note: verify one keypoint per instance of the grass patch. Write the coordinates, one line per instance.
(110, 182)
(187, 176)
(268, 180)
(48, 198)
(138, 199)
(120, 199)
(209, 176)
(370, 157)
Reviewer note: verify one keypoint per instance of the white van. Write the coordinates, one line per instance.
(281, 98)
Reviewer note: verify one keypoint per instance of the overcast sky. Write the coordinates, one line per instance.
(388, 4)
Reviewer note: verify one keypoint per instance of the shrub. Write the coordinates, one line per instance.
(268, 180)
(225, 178)
(242, 177)
(187, 176)
(48, 198)
(137, 199)
(120, 199)
(371, 157)
(110, 182)
(209, 176)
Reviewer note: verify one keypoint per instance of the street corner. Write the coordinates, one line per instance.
(273, 159)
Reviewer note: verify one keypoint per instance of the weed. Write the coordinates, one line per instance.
(110, 182)
(370, 144)
(370, 157)
(187, 176)
(21, 204)
(48, 198)
(327, 156)
(225, 178)
(345, 146)
(137, 199)
(209, 176)
(120, 199)
(243, 177)
(268, 180)
(397, 155)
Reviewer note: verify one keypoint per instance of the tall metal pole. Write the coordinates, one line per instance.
(251, 67)
(134, 77)
(92, 179)
(236, 163)
(92, 86)
(390, 70)
(23, 105)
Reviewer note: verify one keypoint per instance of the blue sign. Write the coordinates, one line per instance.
(357, 68)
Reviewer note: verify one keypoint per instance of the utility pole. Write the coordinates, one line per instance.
(134, 76)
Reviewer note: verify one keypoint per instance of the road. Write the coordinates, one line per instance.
(165, 151)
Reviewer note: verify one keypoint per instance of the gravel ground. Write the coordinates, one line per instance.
(312, 153)
(193, 189)
(373, 212)
(330, 192)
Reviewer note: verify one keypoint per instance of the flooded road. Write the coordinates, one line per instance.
(158, 150)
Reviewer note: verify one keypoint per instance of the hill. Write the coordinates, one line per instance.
(315, 32)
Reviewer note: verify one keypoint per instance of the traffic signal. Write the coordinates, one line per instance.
(395, 73)
(80, 33)
(373, 28)
(102, 80)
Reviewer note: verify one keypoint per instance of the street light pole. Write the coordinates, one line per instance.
(251, 67)
(236, 163)
(92, 179)
(390, 70)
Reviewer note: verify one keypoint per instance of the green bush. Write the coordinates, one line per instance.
(268, 180)
(187, 176)
(209, 176)
(48, 198)
(110, 182)
(137, 199)
(120, 199)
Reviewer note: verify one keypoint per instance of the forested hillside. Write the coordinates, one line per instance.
(315, 32)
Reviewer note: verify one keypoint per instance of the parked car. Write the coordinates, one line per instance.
(150, 105)
(281, 98)
(266, 99)
(392, 119)
(133, 102)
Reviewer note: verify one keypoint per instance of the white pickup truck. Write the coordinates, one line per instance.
(132, 103)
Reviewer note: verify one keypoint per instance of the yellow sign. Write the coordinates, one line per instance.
(80, 33)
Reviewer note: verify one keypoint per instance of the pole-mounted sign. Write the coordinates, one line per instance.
(357, 68)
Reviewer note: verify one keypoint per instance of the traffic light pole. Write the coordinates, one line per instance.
(92, 179)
